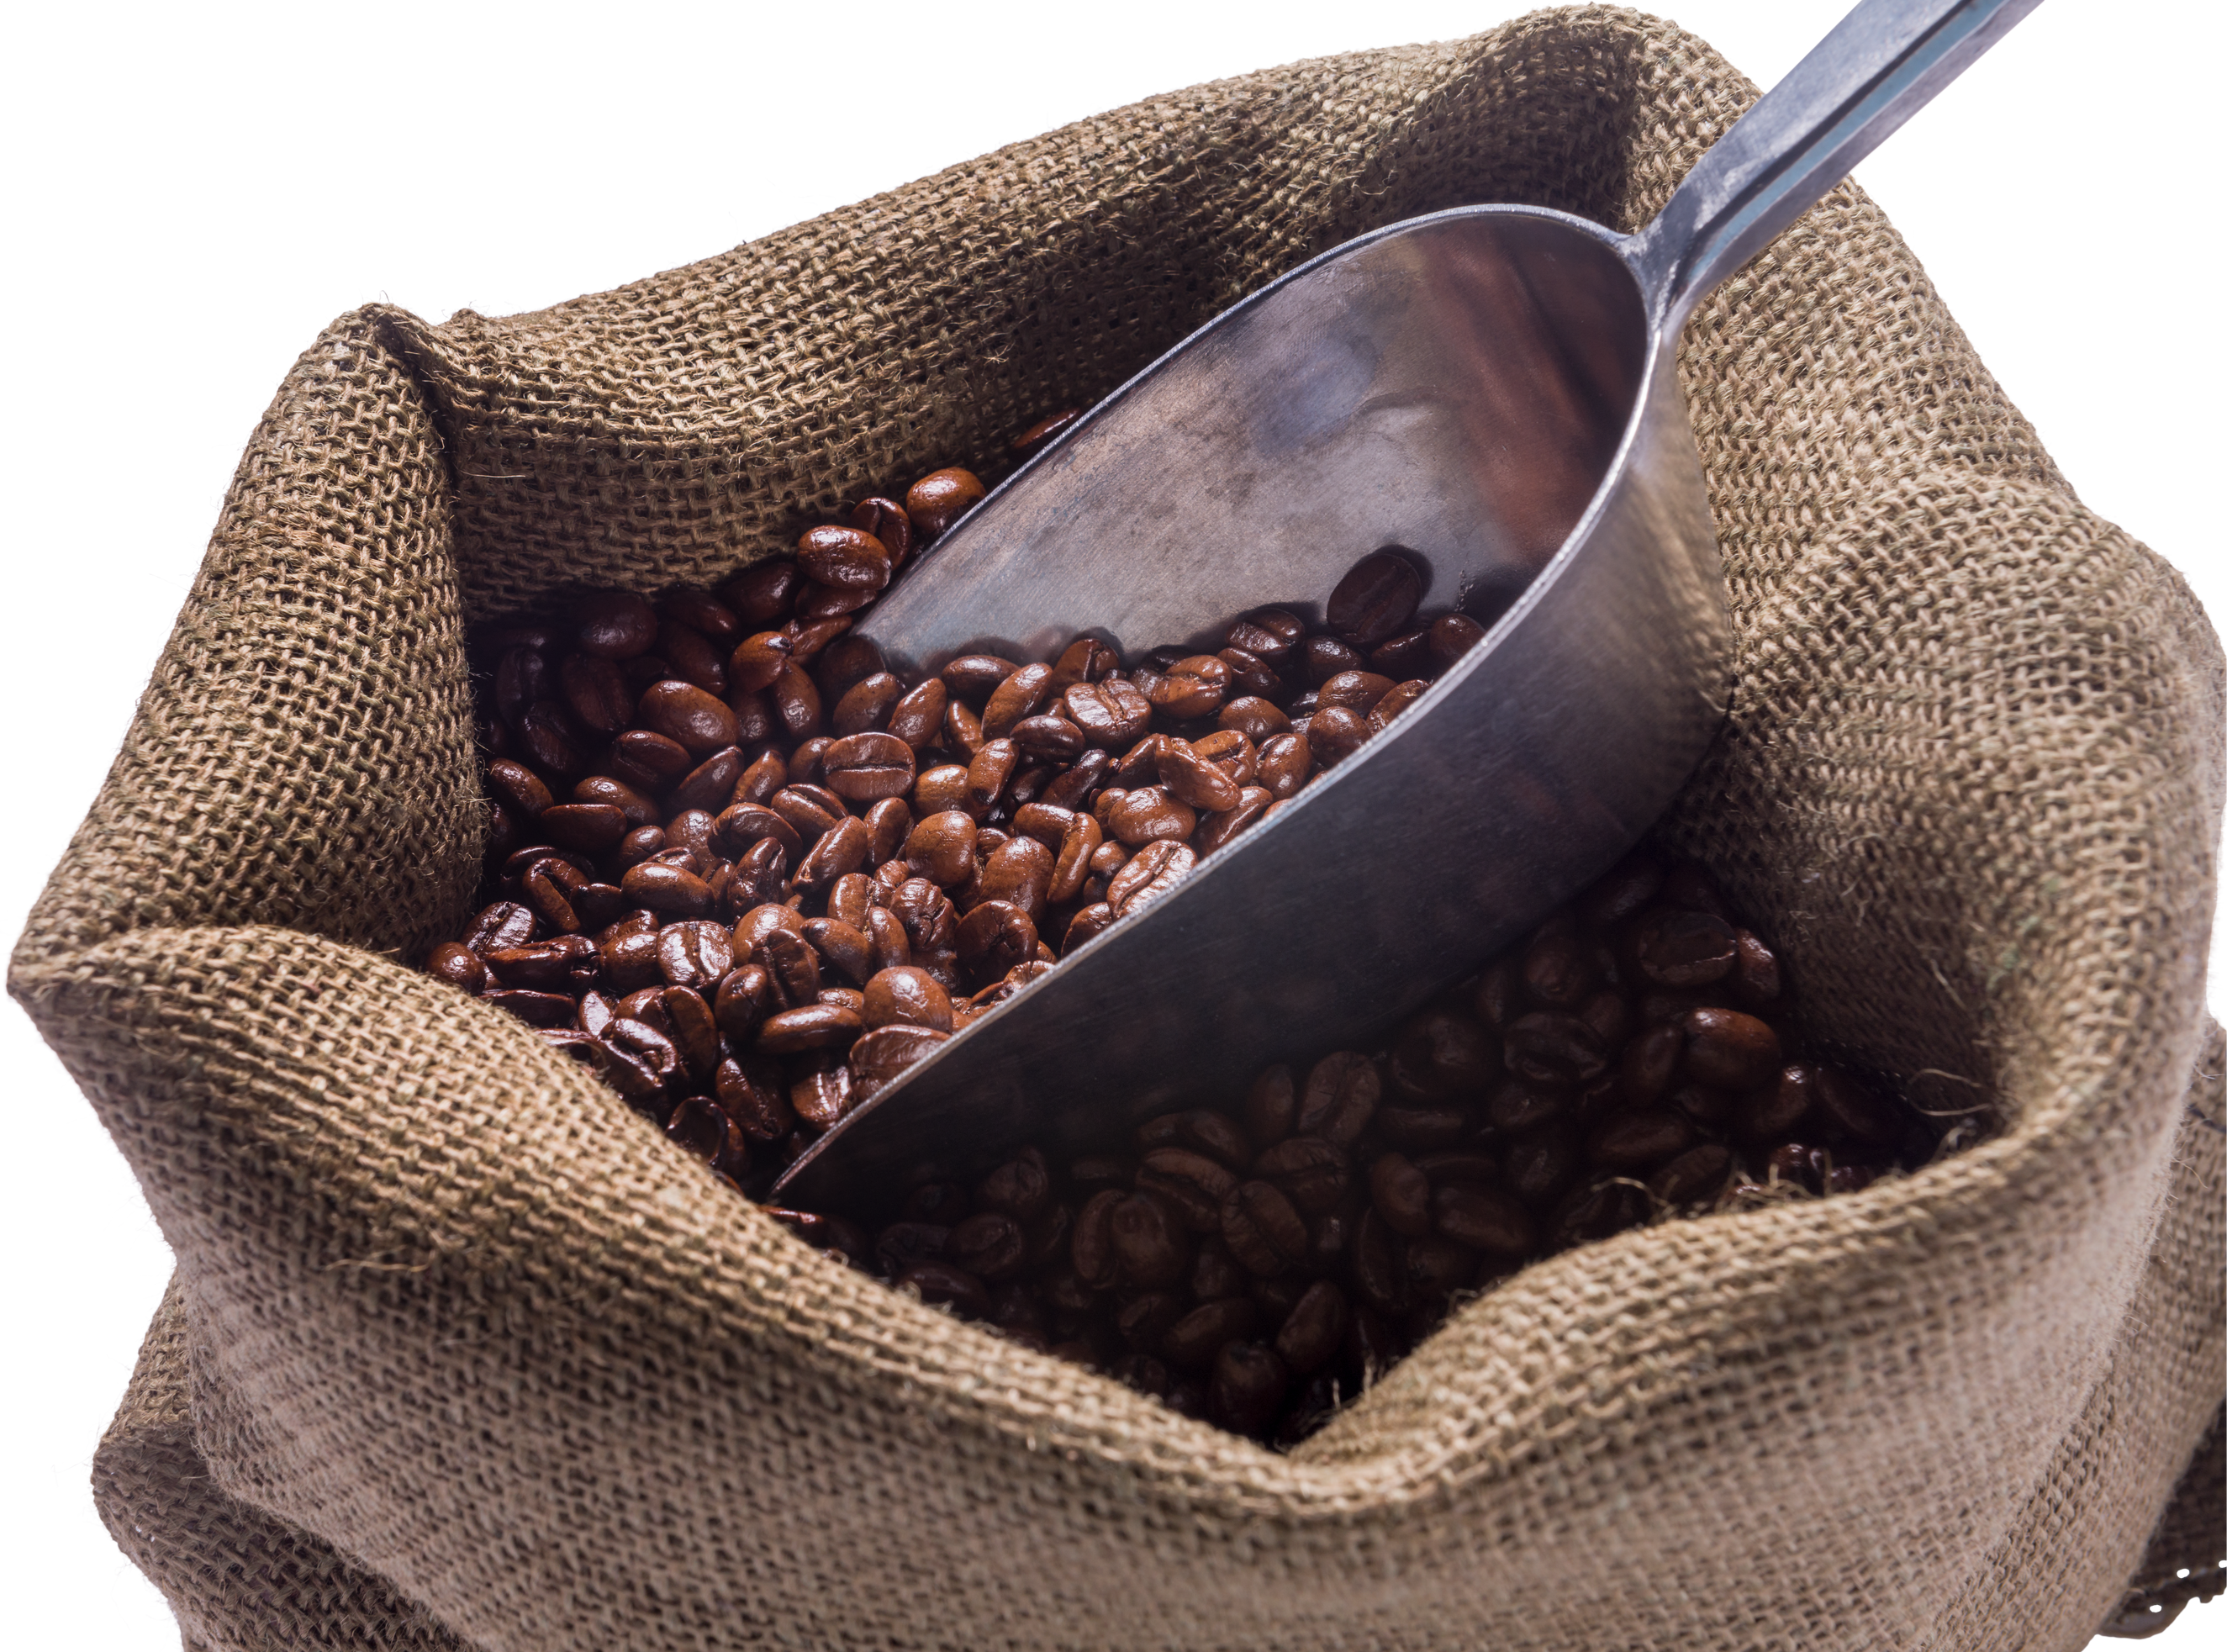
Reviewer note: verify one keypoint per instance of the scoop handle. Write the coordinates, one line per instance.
(1884, 62)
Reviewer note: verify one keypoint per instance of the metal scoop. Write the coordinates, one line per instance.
(1493, 390)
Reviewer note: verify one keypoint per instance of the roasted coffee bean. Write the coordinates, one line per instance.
(1635, 1141)
(1685, 948)
(1421, 1129)
(1021, 1187)
(846, 558)
(1114, 714)
(1696, 1174)
(1287, 760)
(1017, 696)
(1309, 1171)
(614, 624)
(1776, 1111)
(695, 953)
(994, 937)
(759, 658)
(938, 500)
(550, 741)
(1247, 1387)
(1271, 1104)
(1378, 595)
(1149, 814)
(866, 767)
(1439, 1055)
(1756, 980)
(819, 1089)
(457, 965)
(1149, 1244)
(519, 787)
(1729, 1050)
(906, 997)
(1193, 1184)
(1262, 1229)
(878, 1057)
(1540, 1164)
(1354, 690)
(1799, 1163)
(1483, 1219)
(1339, 1098)
(667, 889)
(1321, 658)
(1193, 1341)
(764, 594)
(1190, 779)
(1018, 870)
(1401, 1195)
(1852, 1111)
(1155, 870)
(692, 656)
(1194, 687)
(812, 1026)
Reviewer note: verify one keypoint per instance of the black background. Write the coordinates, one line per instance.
(169, 276)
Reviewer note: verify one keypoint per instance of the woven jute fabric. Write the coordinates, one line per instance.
(464, 1354)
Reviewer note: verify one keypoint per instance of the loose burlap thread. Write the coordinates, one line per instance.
(461, 1353)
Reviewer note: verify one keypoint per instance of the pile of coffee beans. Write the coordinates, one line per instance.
(747, 874)
(1634, 1058)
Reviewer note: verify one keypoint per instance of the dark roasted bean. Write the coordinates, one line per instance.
(667, 889)
(1852, 1111)
(1679, 948)
(1148, 1243)
(846, 558)
(1013, 699)
(1378, 595)
(938, 500)
(1247, 1387)
(1729, 1050)
(1635, 1141)
(614, 624)
(1697, 1174)
(1354, 691)
(1193, 1341)
(877, 1057)
(1195, 686)
(1152, 872)
(457, 965)
(1401, 1195)
(1114, 714)
(1309, 1171)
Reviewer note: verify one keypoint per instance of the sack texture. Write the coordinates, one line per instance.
(464, 1354)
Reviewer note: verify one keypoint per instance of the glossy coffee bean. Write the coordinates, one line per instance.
(1452, 636)
(1150, 814)
(866, 767)
(614, 625)
(938, 500)
(1729, 1050)
(1192, 1341)
(1635, 1141)
(1696, 1174)
(457, 965)
(846, 557)
(1247, 1387)
(1401, 1195)
(1378, 595)
(1286, 762)
(1678, 949)
(687, 716)
(667, 889)
(878, 1057)
(519, 787)
(1194, 687)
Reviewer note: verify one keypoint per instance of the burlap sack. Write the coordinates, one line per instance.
(464, 1354)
